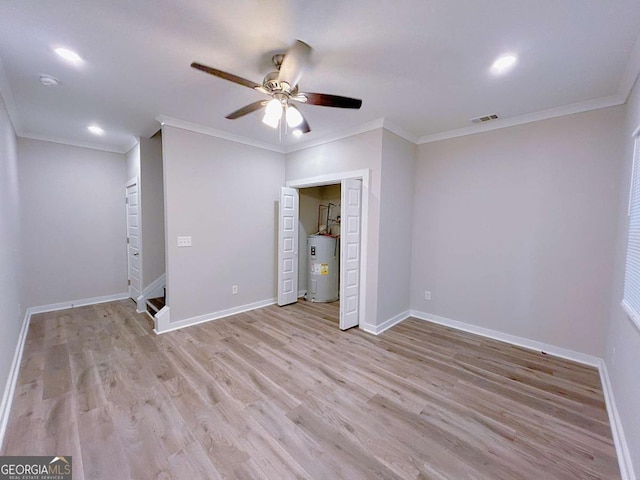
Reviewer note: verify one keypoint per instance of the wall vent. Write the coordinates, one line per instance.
(485, 118)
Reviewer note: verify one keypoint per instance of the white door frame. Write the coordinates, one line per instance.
(331, 179)
(140, 301)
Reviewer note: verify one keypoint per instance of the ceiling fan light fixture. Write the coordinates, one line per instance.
(272, 113)
(294, 117)
(282, 86)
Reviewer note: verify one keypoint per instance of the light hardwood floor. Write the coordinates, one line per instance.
(282, 393)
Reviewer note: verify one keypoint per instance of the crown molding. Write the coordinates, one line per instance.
(562, 111)
(328, 138)
(332, 137)
(213, 132)
(631, 72)
(401, 132)
(132, 143)
(74, 143)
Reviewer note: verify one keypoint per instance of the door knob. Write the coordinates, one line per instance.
(136, 254)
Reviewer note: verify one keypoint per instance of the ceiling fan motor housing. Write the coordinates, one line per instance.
(272, 85)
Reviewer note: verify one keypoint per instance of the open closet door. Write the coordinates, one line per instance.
(288, 247)
(350, 253)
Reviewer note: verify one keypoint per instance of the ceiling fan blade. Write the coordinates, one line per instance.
(252, 107)
(327, 100)
(294, 63)
(226, 76)
(304, 126)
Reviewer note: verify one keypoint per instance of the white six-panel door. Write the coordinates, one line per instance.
(288, 247)
(133, 240)
(350, 255)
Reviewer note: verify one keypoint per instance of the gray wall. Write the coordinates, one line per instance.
(363, 151)
(310, 198)
(514, 231)
(133, 162)
(622, 355)
(12, 311)
(224, 195)
(396, 225)
(73, 222)
(152, 208)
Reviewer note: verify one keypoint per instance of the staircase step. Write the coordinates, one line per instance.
(154, 305)
(157, 303)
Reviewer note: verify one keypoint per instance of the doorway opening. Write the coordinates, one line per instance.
(319, 241)
(305, 215)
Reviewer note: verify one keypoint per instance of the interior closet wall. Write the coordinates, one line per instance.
(310, 200)
(152, 207)
(225, 196)
(396, 226)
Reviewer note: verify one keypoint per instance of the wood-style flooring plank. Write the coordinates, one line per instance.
(283, 393)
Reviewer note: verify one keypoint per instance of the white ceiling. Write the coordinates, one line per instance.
(422, 65)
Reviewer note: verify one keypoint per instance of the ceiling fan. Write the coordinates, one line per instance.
(282, 86)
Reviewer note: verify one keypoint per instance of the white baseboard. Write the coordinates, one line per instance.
(187, 322)
(12, 380)
(78, 303)
(513, 339)
(622, 449)
(387, 324)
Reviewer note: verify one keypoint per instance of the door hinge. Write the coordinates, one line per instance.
(127, 240)
(126, 200)
(129, 282)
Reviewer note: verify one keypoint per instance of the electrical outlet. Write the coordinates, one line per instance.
(184, 241)
(427, 295)
(234, 289)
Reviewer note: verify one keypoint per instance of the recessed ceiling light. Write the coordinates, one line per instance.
(49, 81)
(503, 64)
(96, 130)
(297, 133)
(69, 55)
